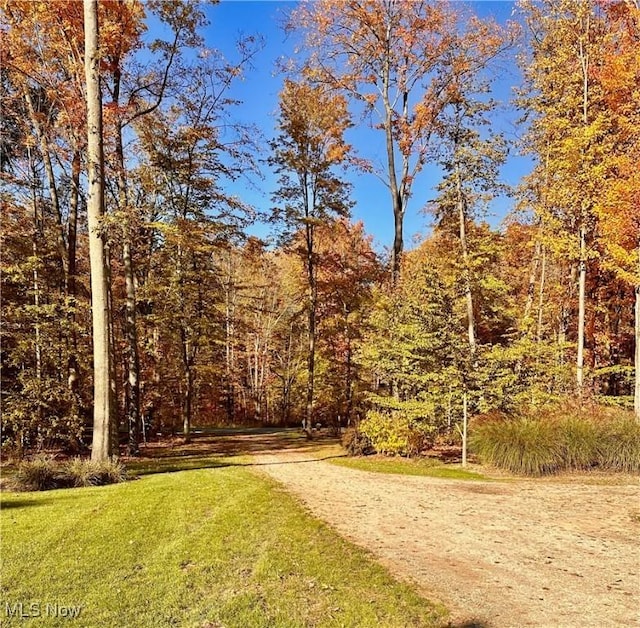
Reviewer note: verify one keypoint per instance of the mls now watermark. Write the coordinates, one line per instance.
(33, 610)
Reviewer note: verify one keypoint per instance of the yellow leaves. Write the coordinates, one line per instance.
(315, 120)
(337, 152)
(586, 68)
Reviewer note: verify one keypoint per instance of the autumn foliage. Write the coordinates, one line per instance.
(208, 324)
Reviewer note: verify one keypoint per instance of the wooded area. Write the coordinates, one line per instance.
(134, 300)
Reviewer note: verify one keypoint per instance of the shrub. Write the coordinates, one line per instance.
(41, 415)
(44, 473)
(356, 443)
(393, 432)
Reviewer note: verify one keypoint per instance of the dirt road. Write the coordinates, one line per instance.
(500, 554)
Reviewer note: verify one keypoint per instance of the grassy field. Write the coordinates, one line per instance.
(409, 466)
(209, 547)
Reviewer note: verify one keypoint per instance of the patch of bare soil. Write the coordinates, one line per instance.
(501, 554)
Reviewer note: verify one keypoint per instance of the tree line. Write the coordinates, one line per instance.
(134, 301)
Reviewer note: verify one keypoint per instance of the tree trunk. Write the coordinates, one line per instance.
(531, 286)
(311, 354)
(471, 327)
(103, 406)
(187, 402)
(636, 399)
(53, 190)
(397, 198)
(465, 424)
(583, 55)
(130, 326)
(582, 279)
(73, 370)
(349, 372)
(36, 280)
(229, 342)
(133, 358)
(543, 278)
(113, 371)
(462, 218)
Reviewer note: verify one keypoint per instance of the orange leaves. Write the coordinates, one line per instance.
(315, 120)
(44, 45)
(619, 76)
(121, 27)
(412, 52)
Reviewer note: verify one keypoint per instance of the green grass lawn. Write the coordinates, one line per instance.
(409, 466)
(218, 546)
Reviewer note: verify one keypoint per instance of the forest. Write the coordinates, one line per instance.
(137, 301)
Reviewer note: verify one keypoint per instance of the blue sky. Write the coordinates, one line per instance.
(259, 93)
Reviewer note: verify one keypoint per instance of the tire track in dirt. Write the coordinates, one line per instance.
(499, 554)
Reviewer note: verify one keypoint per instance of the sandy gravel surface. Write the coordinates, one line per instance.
(501, 554)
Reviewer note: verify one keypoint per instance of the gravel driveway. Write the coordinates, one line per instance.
(543, 553)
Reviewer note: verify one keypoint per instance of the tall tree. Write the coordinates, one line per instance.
(570, 129)
(348, 270)
(133, 95)
(471, 162)
(393, 58)
(190, 158)
(104, 410)
(312, 123)
(618, 208)
(43, 63)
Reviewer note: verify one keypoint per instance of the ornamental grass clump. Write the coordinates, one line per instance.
(84, 472)
(40, 474)
(44, 473)
(560, 438)
(578, 439)
(619, 445)
(522, 446)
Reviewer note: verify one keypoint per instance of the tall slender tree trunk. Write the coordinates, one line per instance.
(130, 325)
(311, 352)
(53, 190)
(636, 398)
(133, 358)
(103, 401)
(471, 326)
(187, 403)
(531, 286)
(36, 303)
(543, 278)
(230, 341)
(36, 279)
(187, 386)
(73, 369)
(462, 219)
(582, 280)
(396, 188)
(465, 424)
(583, 55)
(113, 370)
(349, 371)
